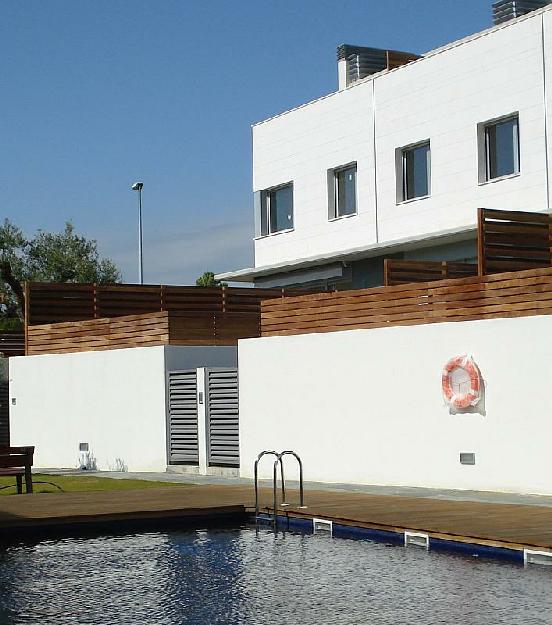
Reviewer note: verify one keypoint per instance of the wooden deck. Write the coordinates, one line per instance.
(506, 525)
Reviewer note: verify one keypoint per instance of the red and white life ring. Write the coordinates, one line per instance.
(461, 382)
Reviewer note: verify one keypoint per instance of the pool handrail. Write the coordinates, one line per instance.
(267, 452)
(275, 480)
(301, 490)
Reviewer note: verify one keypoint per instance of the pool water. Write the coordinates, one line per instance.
(249, 576)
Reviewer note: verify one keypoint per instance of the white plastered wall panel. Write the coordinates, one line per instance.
(366, 406)
(301, 147)
(547, 88)
(442, 97)
(114, 400)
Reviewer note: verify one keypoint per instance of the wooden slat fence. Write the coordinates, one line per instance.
(55, 302)
(407, 271)
(512, 294)
(513, 240)
(144, 330)
(4, 414)
(12, 342)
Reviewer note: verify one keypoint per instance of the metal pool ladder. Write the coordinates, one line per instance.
(278, 461)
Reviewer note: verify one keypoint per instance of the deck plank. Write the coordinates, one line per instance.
(516, 525)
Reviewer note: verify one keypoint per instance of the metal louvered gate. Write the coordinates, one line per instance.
(182, 417)
(222, 412)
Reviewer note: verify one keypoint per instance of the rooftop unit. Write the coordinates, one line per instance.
(357, 62)
(505, 10)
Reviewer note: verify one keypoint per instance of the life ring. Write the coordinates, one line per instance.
(465, 396)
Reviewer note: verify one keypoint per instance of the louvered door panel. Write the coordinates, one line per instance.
(183, 445)
(223, 417)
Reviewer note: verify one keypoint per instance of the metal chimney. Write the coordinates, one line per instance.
(505, 10)
(356, 62)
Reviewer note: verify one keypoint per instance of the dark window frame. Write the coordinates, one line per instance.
(408, 194)
(490, 148)
(268, 218)
(336, 211)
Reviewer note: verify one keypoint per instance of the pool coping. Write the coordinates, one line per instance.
(430, 541)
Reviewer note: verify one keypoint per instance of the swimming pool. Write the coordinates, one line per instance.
(254, 576)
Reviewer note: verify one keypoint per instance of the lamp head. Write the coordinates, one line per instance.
(137, 186)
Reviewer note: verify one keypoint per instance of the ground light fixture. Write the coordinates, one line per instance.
(137, 186)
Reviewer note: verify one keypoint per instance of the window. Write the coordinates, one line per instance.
(342, 191)
(276, 210)
(413, 172)
(498, 148)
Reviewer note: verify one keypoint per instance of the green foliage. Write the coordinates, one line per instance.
(49, 257)
(208, 279)
(10, 323)
(67, 257)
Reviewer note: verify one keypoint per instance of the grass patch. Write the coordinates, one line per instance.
(83, 483)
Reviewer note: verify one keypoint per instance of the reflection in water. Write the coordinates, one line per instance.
(207, 577)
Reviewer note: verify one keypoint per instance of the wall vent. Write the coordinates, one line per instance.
(467, 458)
(531, 556)
(506, 10)
(416, 539)
(321, 526)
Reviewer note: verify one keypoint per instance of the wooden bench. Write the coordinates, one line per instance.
(17, 461)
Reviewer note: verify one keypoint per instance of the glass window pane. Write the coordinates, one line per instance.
(346, 191)
(502, 148)
(281, 209)
(264, 213)
(416, 174)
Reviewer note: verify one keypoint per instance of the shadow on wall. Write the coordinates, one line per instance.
(479, 408)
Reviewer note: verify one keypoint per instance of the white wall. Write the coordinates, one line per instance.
(366, 407)
(301, 147)
(442, 98)
(114, 400)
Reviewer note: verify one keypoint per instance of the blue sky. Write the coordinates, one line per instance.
(96, 95)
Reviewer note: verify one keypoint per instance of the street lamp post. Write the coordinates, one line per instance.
(137, 186)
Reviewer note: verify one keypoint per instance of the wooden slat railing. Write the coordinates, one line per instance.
(12, 342)
(407, 271)
(513, 240)
(55, 302)
(512, 294)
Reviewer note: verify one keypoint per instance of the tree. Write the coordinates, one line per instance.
(67, 257)
(208, 279)
(12, 267)
(48, 257)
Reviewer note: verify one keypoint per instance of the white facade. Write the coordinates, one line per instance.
(366, 406)
(441, 97)
(114, 400)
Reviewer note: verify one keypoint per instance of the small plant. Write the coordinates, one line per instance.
(87, 461)
(119, 465)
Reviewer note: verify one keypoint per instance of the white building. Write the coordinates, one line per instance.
(396, 163)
